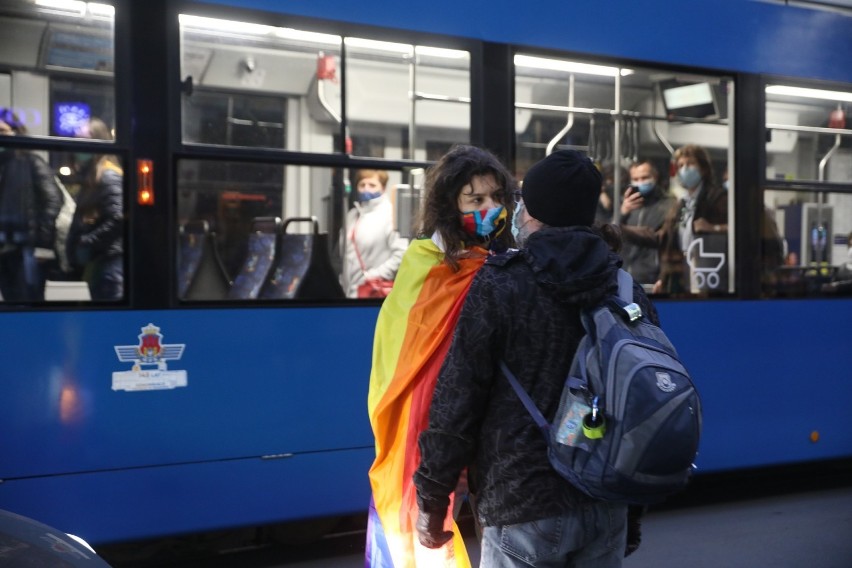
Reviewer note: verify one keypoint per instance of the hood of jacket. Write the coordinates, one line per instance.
(573, 263)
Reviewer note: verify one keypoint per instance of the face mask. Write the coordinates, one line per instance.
(368, 196)
(689, 177)
(519, 229)
(484, 222)
(516, 220)
(645, 188)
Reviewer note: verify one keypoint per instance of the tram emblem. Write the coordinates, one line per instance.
(149, 352)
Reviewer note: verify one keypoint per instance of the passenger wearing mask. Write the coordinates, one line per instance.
(464, 218)
(524, 307)
(704, 210)
(643, 211)
(373, 248)
(30, 200)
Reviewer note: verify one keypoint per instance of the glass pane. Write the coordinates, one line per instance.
(807, 244)
(809, 142)
(280, 232)
(259, 86)
(61, 225)
(58, 60)
(381, 77)
(809, 134)
(635, 123)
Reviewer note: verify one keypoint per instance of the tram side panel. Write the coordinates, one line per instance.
(270, 424)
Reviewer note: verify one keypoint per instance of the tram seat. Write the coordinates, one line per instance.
(201, 273)
(303, 269)
(262, 249)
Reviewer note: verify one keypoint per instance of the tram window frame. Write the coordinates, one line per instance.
(227, 239)
(37, 82)
(810, 212)
(344, 143)
(330, 92)
(575, 91)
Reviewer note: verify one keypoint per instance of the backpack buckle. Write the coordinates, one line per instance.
(632, 311)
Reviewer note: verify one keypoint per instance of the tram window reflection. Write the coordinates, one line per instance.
(56, 64)
(290, 83)
(620, 116)
(807, 156)
(259, 86)
(255, 232)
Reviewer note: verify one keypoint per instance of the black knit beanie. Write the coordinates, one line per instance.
(563, 189)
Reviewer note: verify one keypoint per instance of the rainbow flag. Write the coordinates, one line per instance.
(413, 333)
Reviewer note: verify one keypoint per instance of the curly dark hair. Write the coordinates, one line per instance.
(444, 182)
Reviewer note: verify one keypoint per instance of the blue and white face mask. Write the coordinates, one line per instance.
(368, 196)
(519, 231)
(646, 188)
(485, 222)
(689, 176)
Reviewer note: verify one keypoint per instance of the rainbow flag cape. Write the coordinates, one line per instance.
(413, 333)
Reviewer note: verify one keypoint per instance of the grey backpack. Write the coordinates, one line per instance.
(629, 419)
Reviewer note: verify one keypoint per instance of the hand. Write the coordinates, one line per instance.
(430, 529)
(632, 200)
(702, 225)
(634, 529)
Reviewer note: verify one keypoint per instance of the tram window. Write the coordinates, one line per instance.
(225, 251)
(70, 245)
(810, 145)
(402, 94)
(619, 118)
(408, 95)
(235, 120)
(259, 86)
(56, 64)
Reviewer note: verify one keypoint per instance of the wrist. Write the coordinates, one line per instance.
(717, 228)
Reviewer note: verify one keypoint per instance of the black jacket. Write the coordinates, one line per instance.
(30, 200)
(97, 230)
(523, 307)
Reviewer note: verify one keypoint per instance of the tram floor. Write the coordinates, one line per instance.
(783, 519)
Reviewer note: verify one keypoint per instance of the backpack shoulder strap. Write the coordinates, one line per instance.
(625, 286)
(628, 309)
(525, 398)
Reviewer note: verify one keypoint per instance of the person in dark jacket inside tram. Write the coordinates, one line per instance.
(524, 307)
(645, 205)
(96, 237)
(30, 200)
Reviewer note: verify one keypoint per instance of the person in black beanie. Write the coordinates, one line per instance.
(523, 308)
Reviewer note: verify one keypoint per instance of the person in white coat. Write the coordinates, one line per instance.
(373, 249)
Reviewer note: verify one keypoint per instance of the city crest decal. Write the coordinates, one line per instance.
(149, 352)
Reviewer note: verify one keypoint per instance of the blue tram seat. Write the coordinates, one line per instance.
(303, 269)
(201, 274)
(262, 248)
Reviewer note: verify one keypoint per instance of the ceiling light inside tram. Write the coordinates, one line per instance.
(376, 45)
(215, 25)
(808, 93)
(70, 7)
(102, 10)
(442, 52)
(569, 66)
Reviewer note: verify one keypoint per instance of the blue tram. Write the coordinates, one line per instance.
(226, 386)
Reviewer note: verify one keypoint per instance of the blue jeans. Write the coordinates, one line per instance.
(591, 536)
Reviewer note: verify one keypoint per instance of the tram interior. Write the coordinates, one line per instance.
(277, 88)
